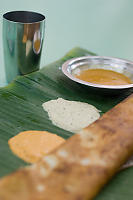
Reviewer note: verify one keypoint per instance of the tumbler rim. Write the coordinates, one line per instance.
(32, 17)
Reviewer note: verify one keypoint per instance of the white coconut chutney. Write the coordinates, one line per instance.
(70, 115)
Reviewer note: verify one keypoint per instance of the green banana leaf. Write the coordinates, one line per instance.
(21, 109)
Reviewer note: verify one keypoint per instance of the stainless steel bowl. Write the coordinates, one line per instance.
(74, 66)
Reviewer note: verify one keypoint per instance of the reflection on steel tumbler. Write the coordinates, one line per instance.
(23, 34)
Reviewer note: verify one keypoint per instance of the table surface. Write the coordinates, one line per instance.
(104, 27)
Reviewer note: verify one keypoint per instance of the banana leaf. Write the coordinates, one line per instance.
(21, 109)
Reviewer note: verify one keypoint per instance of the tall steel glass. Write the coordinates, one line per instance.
(23, 35)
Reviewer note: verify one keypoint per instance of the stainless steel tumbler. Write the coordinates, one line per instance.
(23, 35)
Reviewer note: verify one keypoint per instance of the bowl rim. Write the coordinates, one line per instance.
(68, 63)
